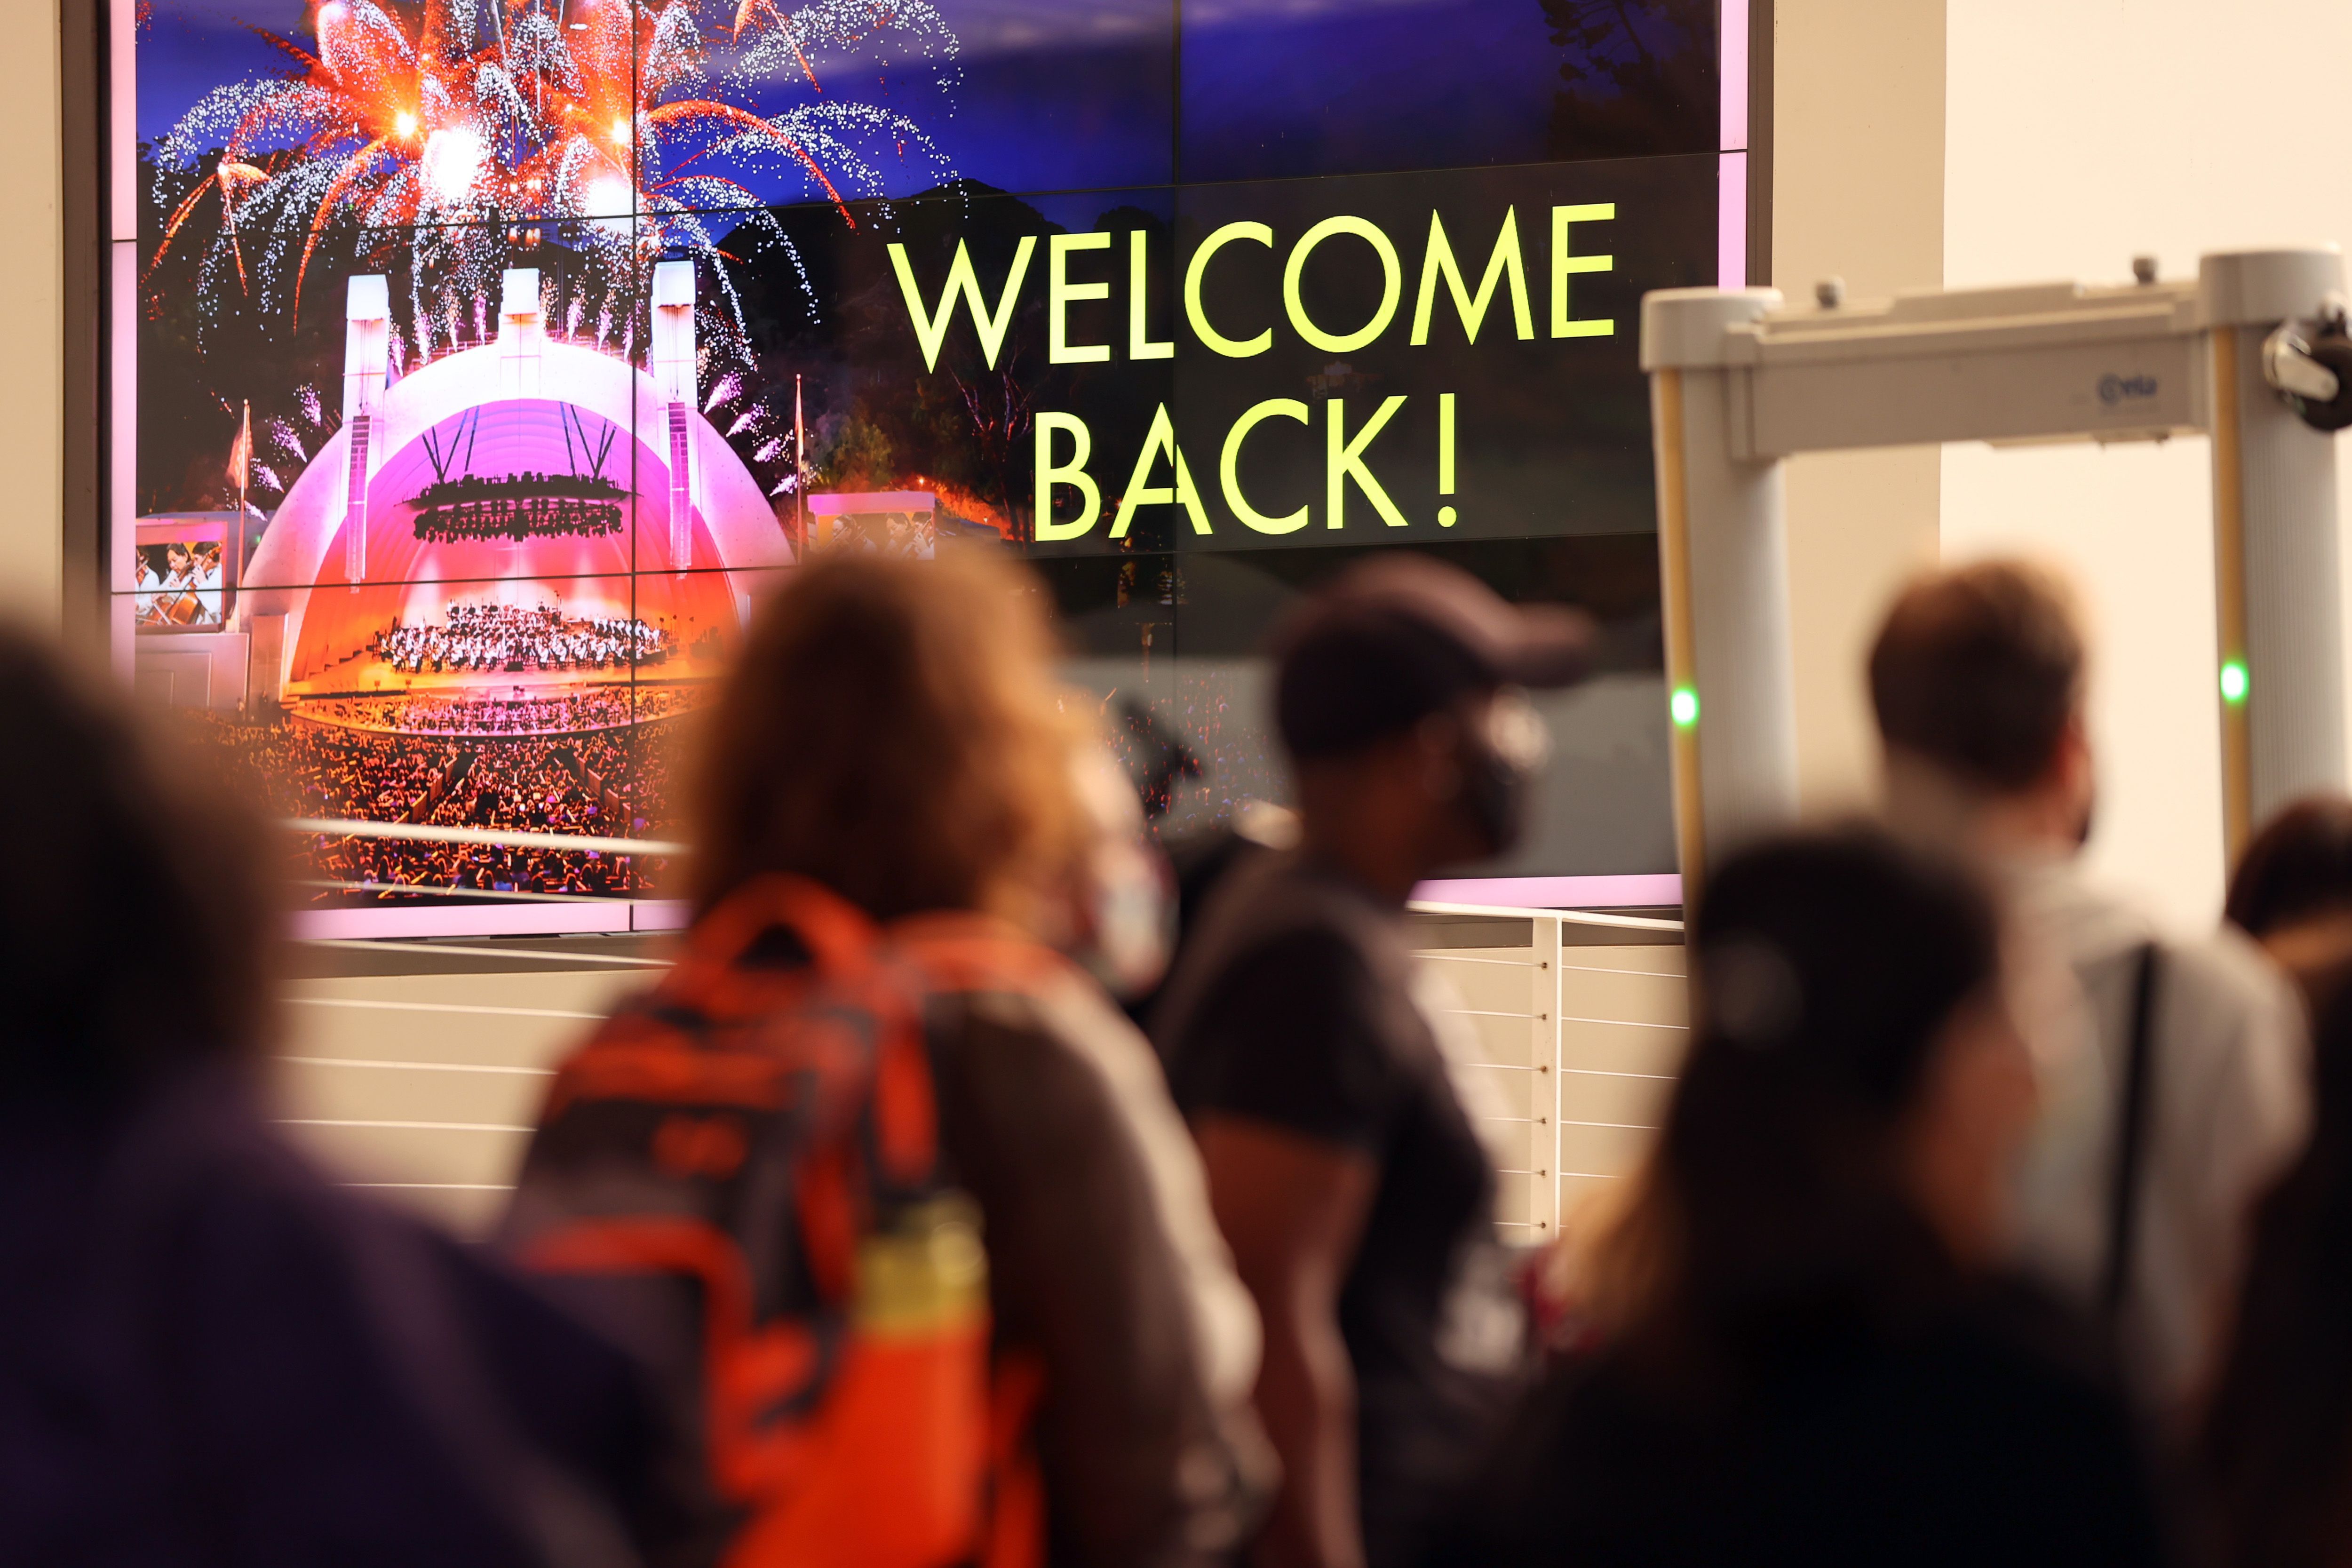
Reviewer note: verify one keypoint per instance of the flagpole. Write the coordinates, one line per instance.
(799, 473)
(235, 551)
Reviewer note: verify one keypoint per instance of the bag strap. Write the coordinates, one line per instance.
(950, 951)
(840, 940)
(2132, 1115)
(849, 973)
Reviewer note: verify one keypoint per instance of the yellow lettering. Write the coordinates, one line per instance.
(1232, 348)
(1564, 266)
(1059, 293)
(1392, 287)
(1504, 262)
(1229, 471)
(1159, 442)
(1347, 462)
(1139, 274)
(931, 327)
(1073, 473)
(1445, 443)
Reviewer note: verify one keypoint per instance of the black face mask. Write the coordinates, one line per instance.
(1496, 794)
(1500, 760)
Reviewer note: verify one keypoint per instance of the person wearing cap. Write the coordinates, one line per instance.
(1353, 1188)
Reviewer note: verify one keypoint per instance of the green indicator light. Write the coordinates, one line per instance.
(2234, 681)
(1684, 707)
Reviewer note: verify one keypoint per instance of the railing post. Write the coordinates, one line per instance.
(1543, 1096)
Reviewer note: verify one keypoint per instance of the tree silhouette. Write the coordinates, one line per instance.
(1639, 77)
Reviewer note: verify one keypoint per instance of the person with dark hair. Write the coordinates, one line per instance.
(1799, 1349)
(2276, 1445)
(2292, 892)
(1354, 1188)
(2172, 1070)
(206, 1352)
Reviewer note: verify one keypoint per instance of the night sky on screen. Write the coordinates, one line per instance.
(1051, 95)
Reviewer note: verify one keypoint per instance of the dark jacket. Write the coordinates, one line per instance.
(1979, 1433)
(209, 1356)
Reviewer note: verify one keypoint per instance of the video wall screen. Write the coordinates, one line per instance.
(478, 365)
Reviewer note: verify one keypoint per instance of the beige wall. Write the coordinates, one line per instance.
(1857, 192)
(31, 337)
(2009, 141)
(2076, 136)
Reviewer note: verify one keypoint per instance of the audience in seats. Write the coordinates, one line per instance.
(207, 1352)
(2173, 1085)
(610, 783)
(473, 713)
(1799, 1349)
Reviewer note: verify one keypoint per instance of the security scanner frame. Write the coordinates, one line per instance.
(2252, 352)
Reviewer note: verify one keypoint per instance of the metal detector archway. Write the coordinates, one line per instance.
(1740, 383)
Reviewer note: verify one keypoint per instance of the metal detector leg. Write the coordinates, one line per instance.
(1723, 579)
(2279, 615)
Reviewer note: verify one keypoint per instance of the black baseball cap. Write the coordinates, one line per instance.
(1397, 638)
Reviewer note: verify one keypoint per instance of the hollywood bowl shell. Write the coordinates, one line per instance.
(552, 407)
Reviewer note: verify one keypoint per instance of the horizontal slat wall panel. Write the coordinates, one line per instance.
(1489, 1000)
(1623, 1029)
(1577, 1047)
(421, 1088)
(1575, 1050)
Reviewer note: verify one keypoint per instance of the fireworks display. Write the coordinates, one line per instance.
(455, 136)
(829, 168)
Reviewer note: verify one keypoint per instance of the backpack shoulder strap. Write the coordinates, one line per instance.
(958, 951)
(655, 1047)
(838, 938)
(2133, 1110)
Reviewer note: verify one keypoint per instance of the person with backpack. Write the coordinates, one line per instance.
(207, 1352)
(882, 1186)
(2173, 1076)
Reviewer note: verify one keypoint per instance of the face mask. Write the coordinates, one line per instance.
(1504, 751)
(1126, 917)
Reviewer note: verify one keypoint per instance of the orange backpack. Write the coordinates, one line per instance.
(754, 1148)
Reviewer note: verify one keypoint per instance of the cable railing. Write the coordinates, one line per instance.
(1601, 1044)
(1581, 1049)
(494, 837)
(450, 885)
